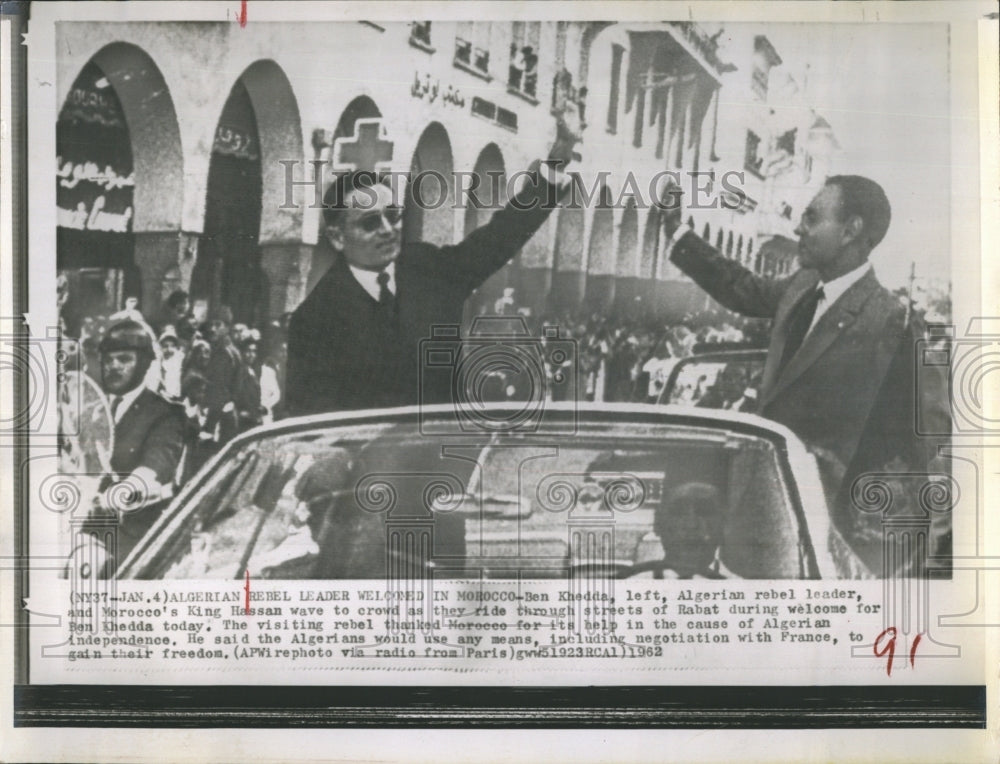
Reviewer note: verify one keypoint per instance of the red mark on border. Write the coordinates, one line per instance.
(246, 588)
(243, 13)
(913, 650)
(890, 647)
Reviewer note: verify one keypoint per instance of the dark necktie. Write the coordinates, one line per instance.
(115, 403)
(385, 296)
(799, 323)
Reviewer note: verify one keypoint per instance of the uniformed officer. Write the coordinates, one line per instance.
(149, 432)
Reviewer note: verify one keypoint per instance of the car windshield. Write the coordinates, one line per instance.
(375, 500)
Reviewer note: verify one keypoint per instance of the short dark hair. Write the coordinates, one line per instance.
(335, 198)
(192, 382)
(865, 198)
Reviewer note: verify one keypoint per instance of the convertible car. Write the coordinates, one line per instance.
(610, 490)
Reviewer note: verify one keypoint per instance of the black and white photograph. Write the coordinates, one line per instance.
(482, 365)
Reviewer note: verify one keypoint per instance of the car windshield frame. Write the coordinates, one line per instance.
(796, 467)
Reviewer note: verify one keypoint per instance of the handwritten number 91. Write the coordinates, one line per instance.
(889, 648)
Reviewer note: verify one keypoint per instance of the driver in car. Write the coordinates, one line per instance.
(690, 526)
(301, 531)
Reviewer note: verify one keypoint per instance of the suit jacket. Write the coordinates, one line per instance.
(222, 376)
(343, 351)
(248, 398)
(850, 391)
(150, 434)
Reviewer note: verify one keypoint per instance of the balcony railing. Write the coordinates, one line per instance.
(702, 43)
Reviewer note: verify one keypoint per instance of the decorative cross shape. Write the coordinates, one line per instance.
(368, 149)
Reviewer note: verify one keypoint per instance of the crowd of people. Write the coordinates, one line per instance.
(628, 359)
(625, 360)
(354, 342)
(228, 376)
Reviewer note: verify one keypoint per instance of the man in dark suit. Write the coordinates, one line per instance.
(148, 432)
(223, 375)
(247, 400)
(354, 342)
(841, 367)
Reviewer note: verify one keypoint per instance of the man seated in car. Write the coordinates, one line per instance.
(727, 392)
(690, 524)
(290, 545)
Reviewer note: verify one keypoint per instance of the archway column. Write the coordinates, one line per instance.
(286, 265)
(165, 260)
(602, 258)
(569, 277)
(534, 276)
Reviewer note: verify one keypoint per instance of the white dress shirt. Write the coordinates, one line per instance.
(125, 401)
(833, 290)
(369, 279)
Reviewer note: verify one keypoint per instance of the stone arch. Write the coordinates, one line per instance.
(122, 82)
(650, 245)
(628, 242)
(228, 271)
(601, 256)
(430, 195)
(280, 130)
(600, 247)
(569, 270)
(154, 132)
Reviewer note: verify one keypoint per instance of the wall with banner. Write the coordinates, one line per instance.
(95, 185)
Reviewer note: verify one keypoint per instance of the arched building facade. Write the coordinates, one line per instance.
(170, 179)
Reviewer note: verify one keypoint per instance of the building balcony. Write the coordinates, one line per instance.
(706, 47)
